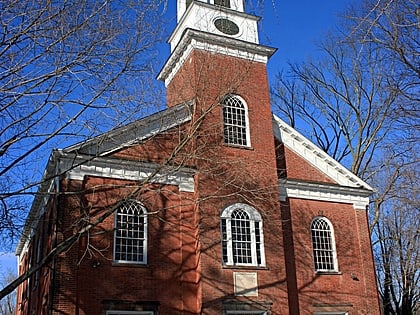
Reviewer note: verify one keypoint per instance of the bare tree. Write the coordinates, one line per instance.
(396, 236)
(343, 102)
(8, 304)
(72, 70)
(68, 69)
(192, 145)
(392, 26)
(359, 102)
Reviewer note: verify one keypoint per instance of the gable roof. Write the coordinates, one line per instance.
(134, 132)
(303, 147)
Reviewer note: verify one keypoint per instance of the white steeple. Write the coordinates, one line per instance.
(217, 26)
(237, 5)
(219, 17)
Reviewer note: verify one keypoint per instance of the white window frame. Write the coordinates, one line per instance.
(145, 236)
(235, 125)
(333, 250)
(254, 218)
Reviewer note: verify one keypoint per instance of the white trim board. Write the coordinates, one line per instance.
(77, 167)
(303, 147)
(358, 197)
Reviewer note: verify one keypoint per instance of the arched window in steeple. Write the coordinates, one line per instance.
(222, 3)
(235, 121)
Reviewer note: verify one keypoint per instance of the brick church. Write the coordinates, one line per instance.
(211, 206)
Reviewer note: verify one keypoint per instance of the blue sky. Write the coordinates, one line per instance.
(291, 26)
(294, 26)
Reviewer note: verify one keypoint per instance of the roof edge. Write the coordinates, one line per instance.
(194, 39)
(315, 156)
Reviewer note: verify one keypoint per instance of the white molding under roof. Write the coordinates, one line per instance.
(358, 197)
(193, 39)
(300, 145)
(76, 167)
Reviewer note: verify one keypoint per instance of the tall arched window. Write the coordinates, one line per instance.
(235, 121)
(130, 233)
(323, 244)
(242, 236)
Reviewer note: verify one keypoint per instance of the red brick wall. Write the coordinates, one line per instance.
(228, 174)
(33, 295)
(88, 276)
(298, 168)
(158, 148)
(184, 271)
(353, 289)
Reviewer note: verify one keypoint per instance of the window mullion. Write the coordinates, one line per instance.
(253, 243)
(229, 241)
(145, 237)
(262, 252)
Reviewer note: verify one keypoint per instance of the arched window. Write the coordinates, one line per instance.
(323, 244)
(242, 236)
(223, 3)
(235, 121)
(130, 233)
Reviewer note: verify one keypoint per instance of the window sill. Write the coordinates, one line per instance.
(238, 146)
(134, 265)
(245, 267)
(332, 273)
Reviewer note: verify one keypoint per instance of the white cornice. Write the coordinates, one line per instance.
(315, 156)
(235, 5)
(358, 197)
(77, 167)
(193, 39)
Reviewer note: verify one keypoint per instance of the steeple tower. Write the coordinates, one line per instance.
(219, 27)
(218, 63)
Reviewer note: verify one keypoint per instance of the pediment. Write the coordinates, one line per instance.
(316, 157)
